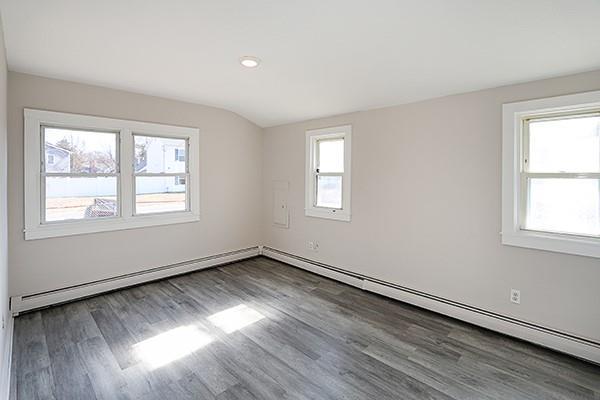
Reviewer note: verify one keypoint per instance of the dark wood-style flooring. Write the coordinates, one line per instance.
(263, 330)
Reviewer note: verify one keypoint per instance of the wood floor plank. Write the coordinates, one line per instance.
(315, 339)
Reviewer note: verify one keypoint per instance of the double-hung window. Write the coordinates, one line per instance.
(551, 187)
(160, 180)
(88, 174)
(328, 173)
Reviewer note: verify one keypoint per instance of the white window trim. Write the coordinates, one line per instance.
(35, 119)
(512, 124)
(343, 214)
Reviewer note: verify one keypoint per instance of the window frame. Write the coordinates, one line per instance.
(36, 228)
(514, 173)
(313, 137)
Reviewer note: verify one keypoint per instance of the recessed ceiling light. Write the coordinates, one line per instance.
(249, 61)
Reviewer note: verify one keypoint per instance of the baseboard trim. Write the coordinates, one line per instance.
(547, 337)
(7, 360)
(29, 302)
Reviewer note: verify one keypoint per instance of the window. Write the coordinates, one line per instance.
(328, 173)
(89, 174)
(86, 185)
(551, 174)
(154, 173)
(180, 155)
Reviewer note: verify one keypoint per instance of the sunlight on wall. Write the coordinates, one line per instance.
(171, 345)
(235, 318)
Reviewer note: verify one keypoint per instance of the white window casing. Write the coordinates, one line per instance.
(515, 191)
(35, 226)
(313, 137)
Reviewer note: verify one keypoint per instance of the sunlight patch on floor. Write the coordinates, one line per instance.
(172, 345)
(235, 318)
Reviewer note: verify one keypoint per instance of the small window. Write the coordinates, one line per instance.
(328, 173)
(88, 174)
(551, 168)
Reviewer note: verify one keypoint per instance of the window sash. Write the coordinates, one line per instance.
(525, 176)
(79, 129)
(44, 174)
(317, 145)
(185, 174)
(316, 189)
(317, 172)
(175, 175)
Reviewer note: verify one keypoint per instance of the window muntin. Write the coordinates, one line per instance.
(80, 171)
(328, 173)
(560, 176)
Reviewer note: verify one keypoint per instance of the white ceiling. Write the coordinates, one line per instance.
(320, 57)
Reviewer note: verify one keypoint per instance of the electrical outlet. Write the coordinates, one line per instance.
(515, 296)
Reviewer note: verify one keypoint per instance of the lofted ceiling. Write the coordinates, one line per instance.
(319, 57)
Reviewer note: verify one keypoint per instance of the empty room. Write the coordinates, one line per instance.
(303, 200)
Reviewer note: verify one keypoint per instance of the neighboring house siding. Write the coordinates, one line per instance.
(57, 159)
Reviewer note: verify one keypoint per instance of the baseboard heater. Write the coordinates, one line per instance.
(29, 302)
(580, 347)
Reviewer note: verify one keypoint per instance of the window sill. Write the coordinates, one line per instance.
(326, 213)
(568, 244)
(107, 225)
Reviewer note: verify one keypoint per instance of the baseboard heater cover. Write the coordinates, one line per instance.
(564, 342)
(30, 302)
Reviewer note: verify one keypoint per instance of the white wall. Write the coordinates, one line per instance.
(230, 173)
(4, 338)
(426, 208)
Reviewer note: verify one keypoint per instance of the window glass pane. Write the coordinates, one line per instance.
(159, 155)
(329, 191)
(78, 151)
(159, 194)
(80, 198)
(567, 145)
(331, 155)
(564, 205)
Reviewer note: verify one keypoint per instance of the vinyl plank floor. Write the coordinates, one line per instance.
(260, 329)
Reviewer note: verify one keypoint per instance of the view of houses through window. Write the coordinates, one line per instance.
(81, 174)
(160, 174)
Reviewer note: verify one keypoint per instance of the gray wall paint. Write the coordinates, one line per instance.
(230, 172)
(3, 203)
(426, 208)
